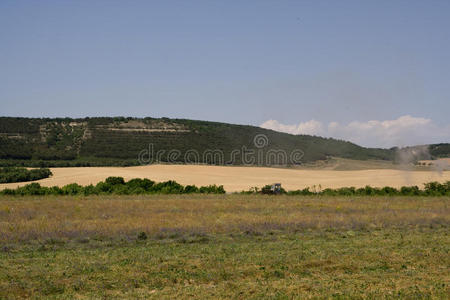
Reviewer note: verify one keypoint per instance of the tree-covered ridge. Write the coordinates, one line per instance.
(119, 141)
(440, 150)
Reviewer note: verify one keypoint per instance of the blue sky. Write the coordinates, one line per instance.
(245, 62)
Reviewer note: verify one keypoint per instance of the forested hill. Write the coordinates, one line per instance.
(120, 141)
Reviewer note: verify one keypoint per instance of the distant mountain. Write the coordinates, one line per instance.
(130, 141)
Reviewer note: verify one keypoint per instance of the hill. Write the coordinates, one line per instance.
(122, 141)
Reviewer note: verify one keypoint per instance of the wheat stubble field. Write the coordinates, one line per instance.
(235, 179)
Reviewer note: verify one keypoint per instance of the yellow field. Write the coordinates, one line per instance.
(243, 178)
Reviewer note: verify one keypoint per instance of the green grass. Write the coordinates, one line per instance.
(224, 247)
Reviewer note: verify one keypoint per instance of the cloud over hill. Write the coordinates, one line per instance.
(405, 130)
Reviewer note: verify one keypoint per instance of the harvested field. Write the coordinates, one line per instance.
(243, 178)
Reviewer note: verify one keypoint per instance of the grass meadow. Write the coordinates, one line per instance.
(224, 246)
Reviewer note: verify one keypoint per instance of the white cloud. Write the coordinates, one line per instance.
(312, 127)
(403, 131)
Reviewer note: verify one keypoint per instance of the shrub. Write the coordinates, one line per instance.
(141, 185)
(212, 189)
(436, 189)
(409, 190)
(387, 190)
(189, 189)
(167, 187)
(304, 192)
(9, 192)
(103, 188)
(114, 180)
(72, 189)
(346, 191)
(55, 190)
(31, 189)
(120, 190)
(90, 190)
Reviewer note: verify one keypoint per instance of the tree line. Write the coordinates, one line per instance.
(430, 189)
(17, 174)
(117, 186)
(137, 186)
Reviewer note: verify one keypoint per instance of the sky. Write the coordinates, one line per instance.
(376, 73)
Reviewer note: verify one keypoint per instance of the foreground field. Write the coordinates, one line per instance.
(242, 178)
(224, 246)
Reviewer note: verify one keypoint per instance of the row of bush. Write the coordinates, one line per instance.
(430, 189)
(115, 185)
(16, 174)
(118, 186)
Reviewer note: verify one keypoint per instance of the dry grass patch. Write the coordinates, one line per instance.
(41, 218)
(221, 247)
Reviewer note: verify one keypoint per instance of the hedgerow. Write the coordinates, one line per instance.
(17, 174)
(136, 186)
(430, 189)
(117, 186)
